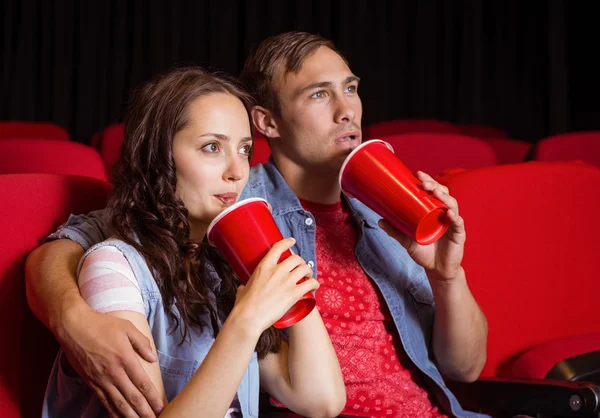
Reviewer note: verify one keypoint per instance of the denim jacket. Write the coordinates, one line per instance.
(68, 396)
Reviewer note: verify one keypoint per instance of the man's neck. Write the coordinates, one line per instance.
(314, 186)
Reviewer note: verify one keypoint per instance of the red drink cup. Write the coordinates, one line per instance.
(374, 175)
(243, 234)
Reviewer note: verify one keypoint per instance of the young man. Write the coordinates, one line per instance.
(399, 315)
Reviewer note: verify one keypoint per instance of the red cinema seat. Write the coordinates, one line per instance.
(18, 156)
(32, 206)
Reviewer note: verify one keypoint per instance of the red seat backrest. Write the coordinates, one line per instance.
(574, 146)
(393, 127)
(509, 151)
(18, 156)
(40, 130)
(32, 205)
(532, 240)
(96, 140)
(436, 152)
(111, 144)
(261, 150)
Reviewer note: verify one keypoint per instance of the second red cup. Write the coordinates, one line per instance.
(243, 234)
(374, 175)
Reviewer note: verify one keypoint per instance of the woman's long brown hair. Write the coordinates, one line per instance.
(146, 213)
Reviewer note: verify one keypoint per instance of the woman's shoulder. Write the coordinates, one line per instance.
(104, 252)
(111, 244)
(108, 283)
(119, 253)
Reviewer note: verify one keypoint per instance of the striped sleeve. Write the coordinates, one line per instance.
(107, 282)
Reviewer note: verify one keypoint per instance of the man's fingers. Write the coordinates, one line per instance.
(103, 399)
(421, 175)
(141, 381)
(458, 223)
(446, 199)
(426, 178)
(141, 344)
(430, 186)
(121, 403)
(428, 183)
(134, 397)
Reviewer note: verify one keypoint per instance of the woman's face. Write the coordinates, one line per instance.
(212, 157)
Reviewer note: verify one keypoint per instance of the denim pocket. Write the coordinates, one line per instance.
(175, 372)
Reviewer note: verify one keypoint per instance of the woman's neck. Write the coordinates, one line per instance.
(197, 231)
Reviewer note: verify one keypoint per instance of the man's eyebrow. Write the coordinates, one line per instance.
(321, 84)
(351, 78)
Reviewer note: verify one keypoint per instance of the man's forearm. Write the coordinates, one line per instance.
(51, 282)
(459, 331)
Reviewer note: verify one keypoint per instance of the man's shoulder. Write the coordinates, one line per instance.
(266, 182)
(259, 178)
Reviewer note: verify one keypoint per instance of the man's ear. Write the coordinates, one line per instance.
(264, 122)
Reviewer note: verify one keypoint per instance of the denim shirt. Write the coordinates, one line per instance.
(403, 283)
(68, 396)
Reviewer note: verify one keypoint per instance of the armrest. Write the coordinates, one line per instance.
(582, 367)
(529, 396)
(576, 357)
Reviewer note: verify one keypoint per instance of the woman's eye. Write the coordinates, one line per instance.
(212, 147)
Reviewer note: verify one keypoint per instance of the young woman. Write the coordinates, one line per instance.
(185, 158)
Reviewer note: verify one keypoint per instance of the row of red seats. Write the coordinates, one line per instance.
(431, 146)
(532, 239)
(9, 129)
(50, 156)
(433, 153)
(434, 146)
(51, 131)
(583, 146)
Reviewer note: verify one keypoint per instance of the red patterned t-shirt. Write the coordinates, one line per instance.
(380, 380)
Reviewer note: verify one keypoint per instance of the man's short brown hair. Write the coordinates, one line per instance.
(289, 49)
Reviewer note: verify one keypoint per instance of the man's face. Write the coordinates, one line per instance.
(320, 113)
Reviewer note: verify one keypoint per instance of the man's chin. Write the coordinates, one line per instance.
(346, 151)
(337, 162)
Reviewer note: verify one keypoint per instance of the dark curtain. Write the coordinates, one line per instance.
(496, 62)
